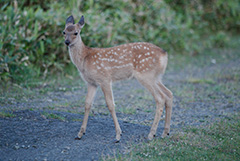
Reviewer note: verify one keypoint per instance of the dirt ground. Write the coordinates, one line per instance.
(203, 93)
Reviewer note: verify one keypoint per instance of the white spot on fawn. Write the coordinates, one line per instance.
(147, 53)
(139, 56)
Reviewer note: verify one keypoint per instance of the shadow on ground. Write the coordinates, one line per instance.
(33, 137)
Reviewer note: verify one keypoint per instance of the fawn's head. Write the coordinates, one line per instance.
(72, 31)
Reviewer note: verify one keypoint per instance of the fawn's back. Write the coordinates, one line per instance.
(125, 61)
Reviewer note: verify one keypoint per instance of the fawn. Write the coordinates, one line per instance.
(102, 66)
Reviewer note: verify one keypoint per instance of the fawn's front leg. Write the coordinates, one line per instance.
(107, 90)
(88, 103)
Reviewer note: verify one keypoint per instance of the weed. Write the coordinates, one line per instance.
(127, 110)
(6, 114)
(80, 120)
(53, 116)
(201, 81)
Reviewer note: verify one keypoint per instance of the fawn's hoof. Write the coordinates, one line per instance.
(118, 137)
(77, 138)
(80, 134)
(150, 136)
(165, 134)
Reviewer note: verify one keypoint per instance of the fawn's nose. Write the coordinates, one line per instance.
(67, 42)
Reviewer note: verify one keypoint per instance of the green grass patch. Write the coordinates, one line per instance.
(79, 120)
(127, 110)
(217, 141)
(6, 114)
(53, 116)
(200, 81)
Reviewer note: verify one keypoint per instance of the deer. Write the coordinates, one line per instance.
(143, 61)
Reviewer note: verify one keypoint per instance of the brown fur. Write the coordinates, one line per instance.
(102, 66)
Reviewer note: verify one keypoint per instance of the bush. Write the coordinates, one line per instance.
(30, 43)
(215, 15)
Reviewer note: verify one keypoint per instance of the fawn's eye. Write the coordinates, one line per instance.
(63, 33)
(75, 33)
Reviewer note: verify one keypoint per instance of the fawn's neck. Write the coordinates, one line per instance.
(77, 52)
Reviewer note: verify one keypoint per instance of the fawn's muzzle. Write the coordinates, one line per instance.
(67, 42)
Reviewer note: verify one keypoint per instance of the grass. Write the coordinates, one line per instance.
(77, 120)
(52, 116)
(6, 114)
(200, 81)
(217, 141)
(127, 110)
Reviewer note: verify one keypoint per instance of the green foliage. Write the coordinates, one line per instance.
(32, 45)
(215, 15)
(28, 45)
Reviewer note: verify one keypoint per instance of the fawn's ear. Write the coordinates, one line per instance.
(70, 20)
(81, 22)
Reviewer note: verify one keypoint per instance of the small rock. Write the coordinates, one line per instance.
(16, 147)
(213, 61)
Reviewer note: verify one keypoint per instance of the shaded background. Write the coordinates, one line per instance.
(32, 44)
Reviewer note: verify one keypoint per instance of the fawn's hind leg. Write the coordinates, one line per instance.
(168, 104)
(158, 95)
